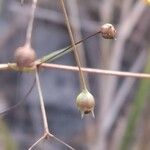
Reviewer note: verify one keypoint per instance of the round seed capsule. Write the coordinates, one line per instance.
(25, 56)
(85, 103)
(108, 31)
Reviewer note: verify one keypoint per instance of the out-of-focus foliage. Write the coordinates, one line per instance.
(142, 95)
(6, 141)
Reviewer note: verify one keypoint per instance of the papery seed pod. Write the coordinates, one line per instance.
(25, 56)
(85, 103)
(108, 31)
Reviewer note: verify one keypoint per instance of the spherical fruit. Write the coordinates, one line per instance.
(108, 31)
(25, 56)
(85, 103)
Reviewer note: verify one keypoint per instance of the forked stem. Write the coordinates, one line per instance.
(44, 116)
(47, 134)
(60, 141)
(82, 79)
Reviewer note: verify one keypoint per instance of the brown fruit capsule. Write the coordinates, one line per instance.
(108, 31)
(25, 56)
(85, 103)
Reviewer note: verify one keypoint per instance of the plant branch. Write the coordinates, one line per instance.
(59, 53)
(47, 134)
(60, 141)
(18, 103)
(74, 16)
(88, 70)
(82, 79)
(30, 24)
(45, 122)
(37, 142)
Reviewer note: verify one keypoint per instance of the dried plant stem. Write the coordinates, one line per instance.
(37, 142)
(88, 70)
(42, 103)
(30, 24)
(60, 141)
(98, 71)
(18, 103)
(73, 11)
(47, 134)
(82, 79)
(44, 116)
(64, 51)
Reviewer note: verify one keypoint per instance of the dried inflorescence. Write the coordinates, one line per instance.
(108, 31)
(25, 56)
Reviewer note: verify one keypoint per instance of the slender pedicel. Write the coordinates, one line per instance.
(82, 103)
(76, 54)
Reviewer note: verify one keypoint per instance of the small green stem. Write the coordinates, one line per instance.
(61, 52)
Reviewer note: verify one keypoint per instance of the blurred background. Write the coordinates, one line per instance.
(122, 104)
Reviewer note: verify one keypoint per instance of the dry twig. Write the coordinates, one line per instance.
(76, 53)
(88, 70)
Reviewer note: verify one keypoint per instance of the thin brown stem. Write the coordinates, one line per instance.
(60, 141)
(12, 66)
(85, 39)
(30, 24)
(45, 122)
(49, 135)
(98, 71)
(18, 103)
(66, 50)
(82, 79)
(37, 142)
